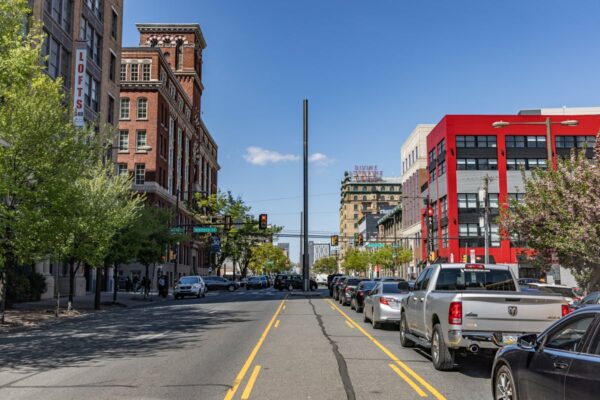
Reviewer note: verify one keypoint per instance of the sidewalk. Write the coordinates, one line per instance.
(36, 313)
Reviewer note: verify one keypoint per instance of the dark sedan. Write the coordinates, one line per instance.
(334, 282)
(347, 289)
(337, 287)
(257, 282)
(330, 279)
(357, 301)
(220, 283)
(563, 362)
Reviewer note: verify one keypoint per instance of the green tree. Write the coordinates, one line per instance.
(325, 265)
(238, 243)
(357, 261)
(559, 216)
(268, 259)
(388, 257)
(41, 152)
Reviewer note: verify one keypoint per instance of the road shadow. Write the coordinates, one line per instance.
(125, 333)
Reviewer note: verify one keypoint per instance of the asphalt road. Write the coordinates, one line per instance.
(259, 344)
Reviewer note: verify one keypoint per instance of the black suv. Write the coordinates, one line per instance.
(219, 283)
(291, 282)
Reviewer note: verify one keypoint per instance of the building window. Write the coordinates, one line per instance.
(472, 164)
(93, 41)
(114, 24)
(468, 235)
(163, 75)
(91, 92)
(494, 235)
(110, 112)
(142, 108)
(432, 175)
(356, 206)
(134, 71)
(442, 168)
(444, 207)
(441, 147)
(122, 169)
(493, 200)
(355, 197)
(355, 216)
(465, 141)
(123, 140)
(514, 164)
(140, 140)
(96, 7)
(432, 156)
(516, 197)
(179, 57)
(124, 108)
(123, 72)
(145, 72)
(112, 69)
(526, 141)
(140, 174)
(445, 237)
(61, 12)
(467, 201)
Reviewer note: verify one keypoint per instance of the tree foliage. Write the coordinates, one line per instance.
(560, 216)
(268, 259)
(325, 265)
(357, 261)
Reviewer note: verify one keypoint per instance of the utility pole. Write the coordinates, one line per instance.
(305, 260)
(175, 278)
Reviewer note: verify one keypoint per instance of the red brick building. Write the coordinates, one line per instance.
(463, 149)
(162, 140)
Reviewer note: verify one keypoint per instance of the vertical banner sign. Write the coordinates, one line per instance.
(78, 88)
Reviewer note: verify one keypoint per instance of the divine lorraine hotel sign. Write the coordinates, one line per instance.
(366, 173)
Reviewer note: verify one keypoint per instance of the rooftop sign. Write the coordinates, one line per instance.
(366, 173)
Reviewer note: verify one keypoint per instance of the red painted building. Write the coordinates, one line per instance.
(464, 149)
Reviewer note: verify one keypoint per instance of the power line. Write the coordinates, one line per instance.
(291, 197)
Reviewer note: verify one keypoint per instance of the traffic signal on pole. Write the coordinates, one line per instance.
(334, 240)
(360, 239)
(262, 221)
(227, 223)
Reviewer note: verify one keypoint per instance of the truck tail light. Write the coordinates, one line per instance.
(455, 313)
(565, 309)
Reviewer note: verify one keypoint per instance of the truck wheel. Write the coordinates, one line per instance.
(404, 341)
(441, 355)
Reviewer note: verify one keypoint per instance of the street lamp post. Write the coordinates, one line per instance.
(548, 123)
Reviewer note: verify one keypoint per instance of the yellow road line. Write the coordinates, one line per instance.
(284, 306)
(240, 376)
(332, 308)
(250, 384)
(413, 385)
(277, 323)
(349, 324)
(392, 356)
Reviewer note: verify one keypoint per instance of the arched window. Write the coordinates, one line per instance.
(179, 56)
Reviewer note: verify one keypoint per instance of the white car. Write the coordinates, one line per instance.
(190, 286)
(564, 291)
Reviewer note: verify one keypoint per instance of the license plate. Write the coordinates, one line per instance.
(509, 339)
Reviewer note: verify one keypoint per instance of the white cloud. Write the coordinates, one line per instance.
(259, 156)
(320, 159)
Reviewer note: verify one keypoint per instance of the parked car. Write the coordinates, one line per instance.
(189, 286)
(330, 278)
(337, 287)
(321, 279)
(563, 362)
(332, 283)
(280, 280)
(589, 300)
(220, 283)
(347, 289)
(295, 282)
(358, 296)
(383, 302)
(564, 291)
(257, 282)
(527, 281)
(472, 307)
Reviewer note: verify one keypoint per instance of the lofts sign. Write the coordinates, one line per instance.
(79, 87)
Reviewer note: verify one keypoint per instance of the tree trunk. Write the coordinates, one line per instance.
(594, 283)
(115, 282)
(9, 264)
(145, 288)
(2, 294)
(71, 282)
(98, 295)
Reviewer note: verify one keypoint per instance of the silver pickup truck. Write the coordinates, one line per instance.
(472, 307)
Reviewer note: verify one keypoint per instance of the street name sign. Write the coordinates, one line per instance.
(204, 229)
(375, 245)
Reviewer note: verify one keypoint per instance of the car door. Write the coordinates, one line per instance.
(368, 304)
(544, 377)
(411, 301)
(583, 378)
(418, 300)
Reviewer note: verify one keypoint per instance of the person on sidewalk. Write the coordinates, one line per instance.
(162, 286)
(128, 285)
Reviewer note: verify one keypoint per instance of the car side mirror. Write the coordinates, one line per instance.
(528, 342)
(403, 287)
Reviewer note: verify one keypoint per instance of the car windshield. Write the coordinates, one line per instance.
(188, 281)
(475, 279)
(352, 282)
(368, 285)
(254, 278)
(391, 287)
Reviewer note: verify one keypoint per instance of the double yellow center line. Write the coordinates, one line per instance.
(240, 376)
(393, 357)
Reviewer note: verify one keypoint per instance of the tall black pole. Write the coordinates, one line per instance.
(305, 258)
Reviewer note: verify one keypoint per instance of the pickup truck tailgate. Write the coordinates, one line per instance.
(509, 312)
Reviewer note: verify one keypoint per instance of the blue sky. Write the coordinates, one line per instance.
(371, 71)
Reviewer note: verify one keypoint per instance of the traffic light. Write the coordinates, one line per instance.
(262, 221)
(360, 239)
(334, 240)
(227, 223)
